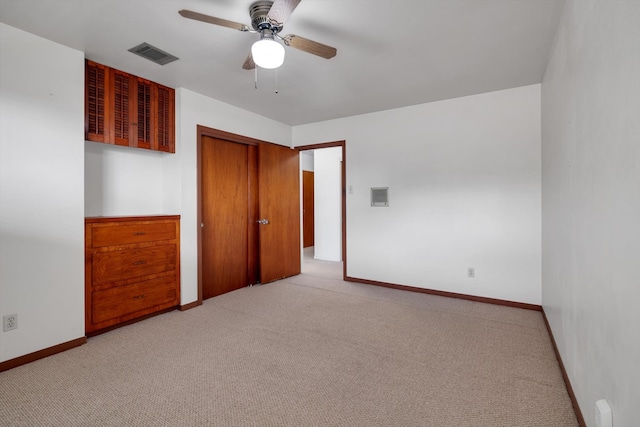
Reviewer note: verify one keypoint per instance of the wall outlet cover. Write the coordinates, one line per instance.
(604, 417)
(9, 322)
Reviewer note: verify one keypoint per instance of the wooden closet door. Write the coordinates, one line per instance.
(225, 216)
(279, 204)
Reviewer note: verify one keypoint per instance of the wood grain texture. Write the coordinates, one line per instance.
(212, 20)
(279, 181)
(41, 354)
(565, 376)
(97, 102)
(126, 110)
(204, 133)
(308, 208)
(165, 119)
(225, 215)
(253, 243)
(138, 232)
(122, 107)
(266, 252)
(281, 10)
(494, 301)
(116, 265)
(132, 269)
(144, 124)
(310, 46)
(249, 64)
(118, 302)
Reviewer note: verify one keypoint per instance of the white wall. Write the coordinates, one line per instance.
(306, 161)
(126, 181)
(193, 109)
(41, 192)
(464, 191)
(327, 164)
(123, 181)
(591, 203)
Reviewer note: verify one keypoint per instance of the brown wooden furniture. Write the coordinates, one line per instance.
(123, 109)
(132, 268)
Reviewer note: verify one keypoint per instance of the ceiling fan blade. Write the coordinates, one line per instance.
(213, 20)
(280, 11)
(310, 46)
(248, 63)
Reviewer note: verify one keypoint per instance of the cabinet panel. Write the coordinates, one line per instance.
(124, 98)
(120, 301)
(144, 116)
(114, 266)
(97, 96)
(165, 119)
(126, 234)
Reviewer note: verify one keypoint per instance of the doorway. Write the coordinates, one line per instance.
(329, 238)
(248, 211)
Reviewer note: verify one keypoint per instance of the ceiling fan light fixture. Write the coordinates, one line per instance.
(267, 53)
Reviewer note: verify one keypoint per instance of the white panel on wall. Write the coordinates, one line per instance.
(328, 204)
(591, 203)
(306, 160)
(465, 177)
(123, 181)
(41, 192)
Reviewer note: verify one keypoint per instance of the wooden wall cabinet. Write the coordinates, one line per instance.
(132, 268)
(123, 109)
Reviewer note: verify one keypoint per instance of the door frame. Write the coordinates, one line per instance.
(343, 190)
(203, 131)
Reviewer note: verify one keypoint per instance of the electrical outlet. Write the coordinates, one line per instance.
(471, 272)
(9, 322)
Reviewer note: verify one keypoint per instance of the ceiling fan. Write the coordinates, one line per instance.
(268, 18)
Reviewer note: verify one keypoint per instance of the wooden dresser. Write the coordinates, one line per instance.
(132, 268)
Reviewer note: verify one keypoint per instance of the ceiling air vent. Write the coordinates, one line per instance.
(153, 54)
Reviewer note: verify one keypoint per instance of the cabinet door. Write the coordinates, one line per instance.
(144, 113)
(97, 96)
(123, 88)
(165, 119)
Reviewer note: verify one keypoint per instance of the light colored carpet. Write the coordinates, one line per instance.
(310, 350)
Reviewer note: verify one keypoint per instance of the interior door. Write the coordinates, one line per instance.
(226, 215)
(279, 211)
(307, 209)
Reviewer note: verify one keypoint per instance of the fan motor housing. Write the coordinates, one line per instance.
(259, 12)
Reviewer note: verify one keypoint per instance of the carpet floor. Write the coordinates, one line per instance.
(310, 350)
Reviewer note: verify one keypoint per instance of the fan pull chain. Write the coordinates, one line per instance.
(276, 80)
(255, 79)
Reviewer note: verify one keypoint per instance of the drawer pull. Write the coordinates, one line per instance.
(139, 262)
(138, 296)
(139, 233)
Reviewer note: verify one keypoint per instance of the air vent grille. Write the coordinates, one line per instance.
(380, 196)
(153, 54)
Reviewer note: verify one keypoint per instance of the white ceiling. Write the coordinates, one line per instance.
(391, 53)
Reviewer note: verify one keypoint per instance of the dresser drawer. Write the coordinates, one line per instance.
(115, 234)
(113, 266)
(126, 301)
